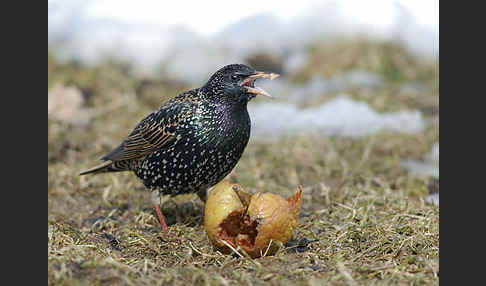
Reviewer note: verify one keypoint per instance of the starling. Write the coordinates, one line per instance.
(194, 140)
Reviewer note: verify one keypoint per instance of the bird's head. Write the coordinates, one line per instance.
(236, 83)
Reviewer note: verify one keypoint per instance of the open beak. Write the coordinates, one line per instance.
(248, 82)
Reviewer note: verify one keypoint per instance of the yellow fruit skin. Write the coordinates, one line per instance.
(222, 200)
(276, 216)
(276, 220)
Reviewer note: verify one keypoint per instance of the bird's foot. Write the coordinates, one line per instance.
(202, 194)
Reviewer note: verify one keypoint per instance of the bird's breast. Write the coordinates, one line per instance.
(233, 123)
(217, 125)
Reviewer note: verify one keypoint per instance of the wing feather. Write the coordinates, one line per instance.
(156, 131)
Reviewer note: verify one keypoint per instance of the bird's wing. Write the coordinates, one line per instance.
(156, 131)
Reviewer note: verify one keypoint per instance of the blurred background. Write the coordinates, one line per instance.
(355, 122)
(349, 69)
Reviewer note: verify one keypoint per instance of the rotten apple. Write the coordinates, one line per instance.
(256, 223)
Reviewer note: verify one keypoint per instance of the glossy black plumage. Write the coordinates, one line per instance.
(194, 140)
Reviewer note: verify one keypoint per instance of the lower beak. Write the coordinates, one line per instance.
(258, 90)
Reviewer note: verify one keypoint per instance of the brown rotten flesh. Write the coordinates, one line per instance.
(255, 222)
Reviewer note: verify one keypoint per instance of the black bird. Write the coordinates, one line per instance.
(194, 140)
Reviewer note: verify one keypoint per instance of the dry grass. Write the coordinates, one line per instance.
(364, 221)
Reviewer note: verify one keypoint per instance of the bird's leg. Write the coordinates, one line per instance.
(203, 194)
(163, 224)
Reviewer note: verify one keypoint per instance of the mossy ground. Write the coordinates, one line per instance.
(365, 219)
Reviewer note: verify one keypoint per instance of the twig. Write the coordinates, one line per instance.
(348, 208)
(240, 255)
(232, 248)
(201, 253)
(268, 247)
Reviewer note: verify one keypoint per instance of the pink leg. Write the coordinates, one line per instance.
(161, 219)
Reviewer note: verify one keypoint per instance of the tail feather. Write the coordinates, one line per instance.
(104, 167)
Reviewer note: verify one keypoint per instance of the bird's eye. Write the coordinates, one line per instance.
(234, 77)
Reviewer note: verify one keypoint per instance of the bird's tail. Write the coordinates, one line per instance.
(101, 168)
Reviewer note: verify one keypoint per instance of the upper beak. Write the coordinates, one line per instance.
(260, 74)
(257, 75)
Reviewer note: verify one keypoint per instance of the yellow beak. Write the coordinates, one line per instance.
(258, 90)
